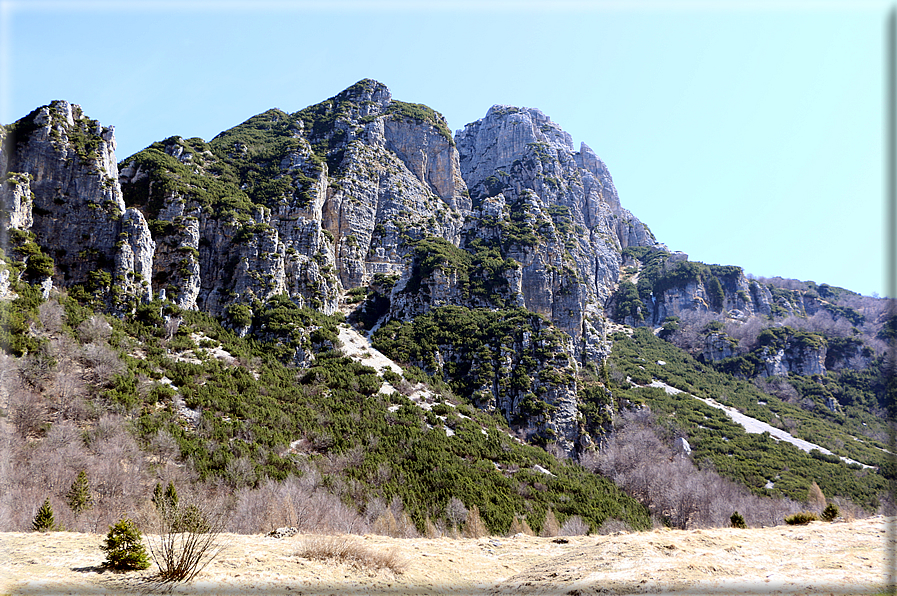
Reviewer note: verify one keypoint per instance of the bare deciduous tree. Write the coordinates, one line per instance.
(639, 459)
(28, 412)
(101, 363)
(171, 326)
(94, 330)
(574, 526)
(51, 315)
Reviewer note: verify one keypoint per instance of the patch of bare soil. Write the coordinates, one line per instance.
(821, 558)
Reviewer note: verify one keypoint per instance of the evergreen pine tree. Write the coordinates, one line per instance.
(44, 520)
(166, 498)
(736, 520)
(79, 498)
(124, 547)
(166, 502)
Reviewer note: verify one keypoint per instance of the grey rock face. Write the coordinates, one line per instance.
(16, 209)
(718, 346)
(679, 289)
(552, 209)
(796, 355)
(63, 186)
(364, 174)
(134, 260)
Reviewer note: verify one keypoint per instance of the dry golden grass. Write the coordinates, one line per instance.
(844, 558)
(347, 549)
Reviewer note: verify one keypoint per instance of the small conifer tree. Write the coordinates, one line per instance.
(737, 521)
(166, 502)
(79, 498)
(124, 547)
(44, 520)
(831, 512)
(165, 498)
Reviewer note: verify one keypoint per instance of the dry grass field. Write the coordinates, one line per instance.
(821, 558)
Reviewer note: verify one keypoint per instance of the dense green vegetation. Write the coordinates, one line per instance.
(257, 419)
(253, 152)
(334, 411)
(219, 195)
(657, 276)
(517, 351)
(24, 263)
(753, 459)
(478, 271)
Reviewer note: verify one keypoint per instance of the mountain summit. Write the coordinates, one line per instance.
(499, 259)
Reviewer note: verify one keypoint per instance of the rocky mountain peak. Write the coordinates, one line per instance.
(503, 136)
(354, 190)
(61, 185)
(366, 92)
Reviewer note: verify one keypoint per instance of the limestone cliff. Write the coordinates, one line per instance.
(60, 182)
(780, 351)
(305, 204)
(657, 284)
(355, 191)
(554, 211)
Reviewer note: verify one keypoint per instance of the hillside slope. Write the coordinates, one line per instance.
(497, 268)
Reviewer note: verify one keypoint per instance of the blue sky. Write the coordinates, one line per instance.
(743, 133)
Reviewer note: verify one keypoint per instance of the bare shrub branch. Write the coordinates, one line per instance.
(94, 330)
(187, 540)
(574, 526)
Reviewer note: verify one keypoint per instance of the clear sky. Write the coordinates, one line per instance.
(742, 132)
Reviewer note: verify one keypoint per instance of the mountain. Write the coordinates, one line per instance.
(498, 263)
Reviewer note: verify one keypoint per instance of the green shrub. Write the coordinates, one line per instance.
(737, 521)
(830, 512)
(44, 520)
(801, 519)
(124, 547)
(392, 377)
(442, 409)
(239, 315)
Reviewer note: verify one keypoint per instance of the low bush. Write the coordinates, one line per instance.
(188, 539)
(801, 519)
(574, 526)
